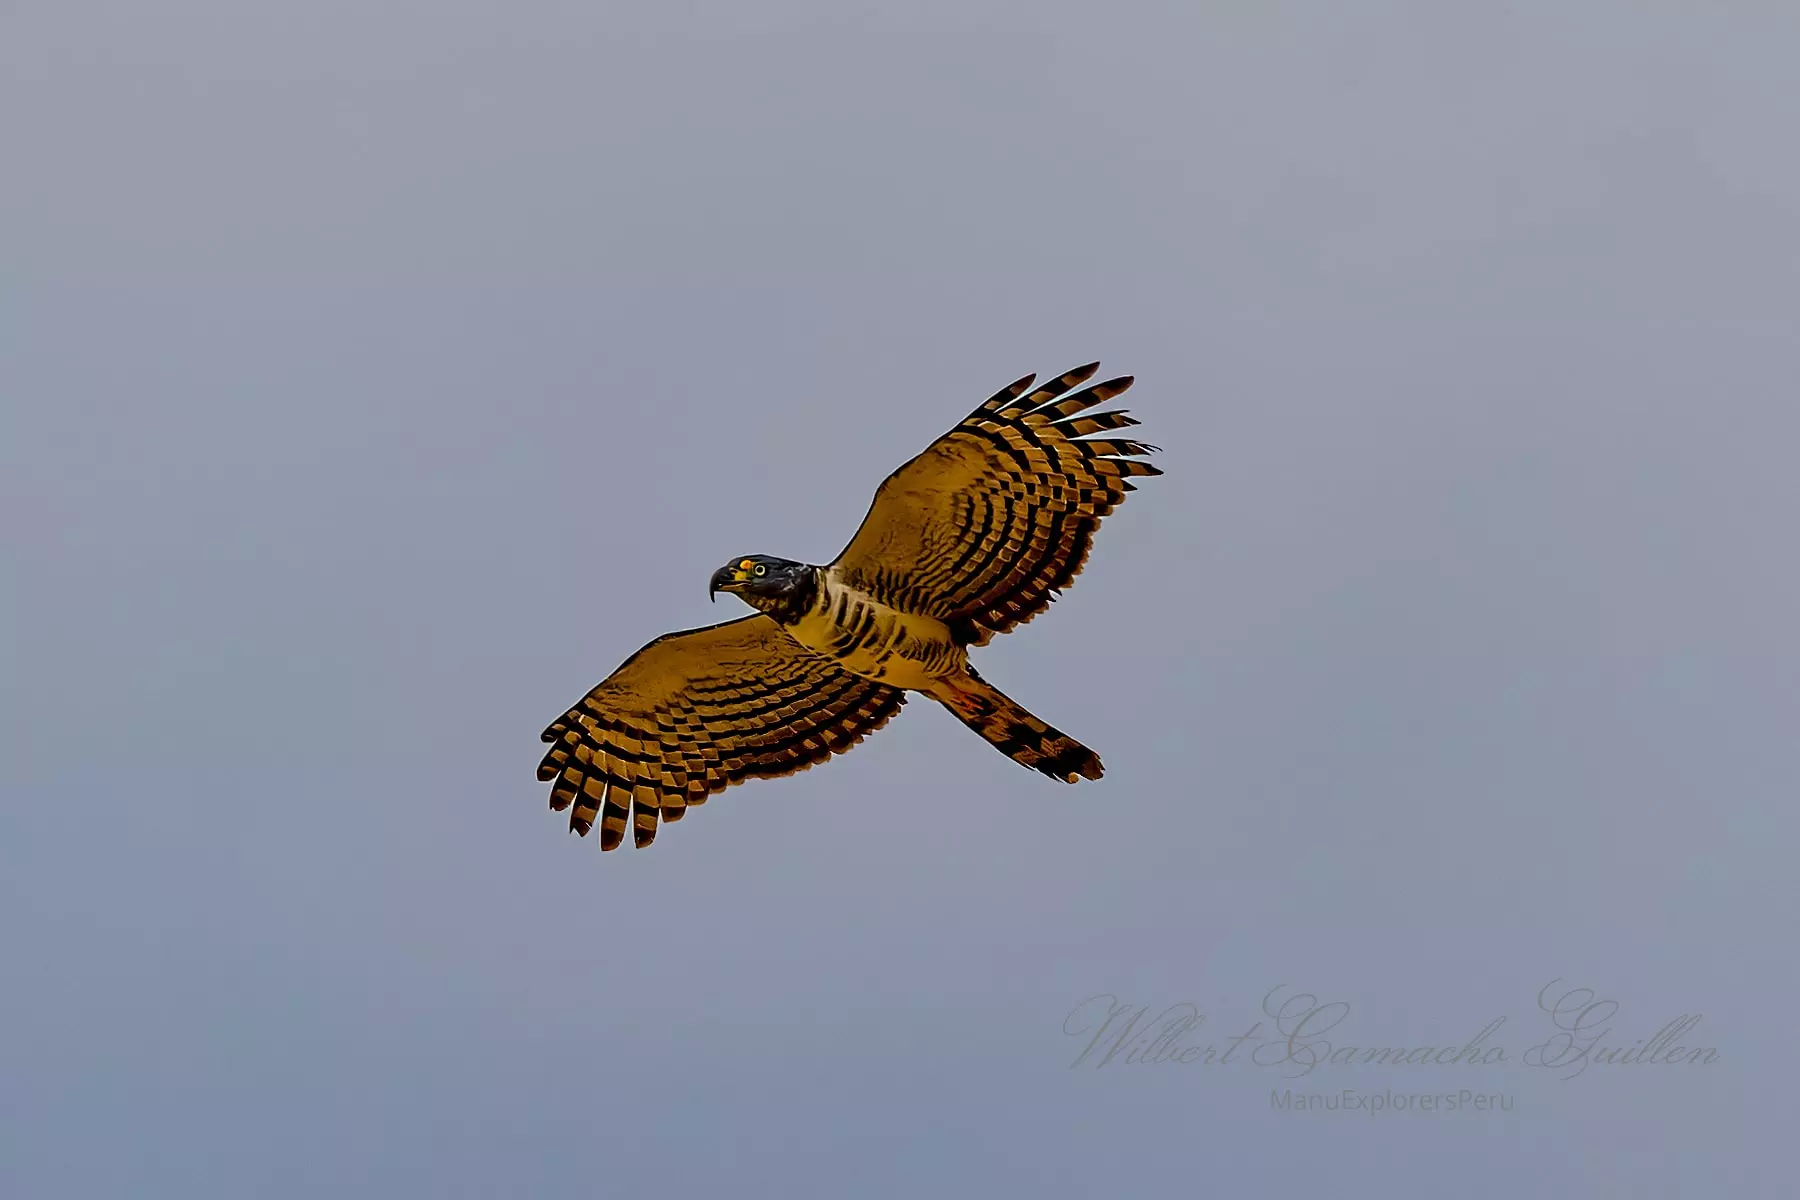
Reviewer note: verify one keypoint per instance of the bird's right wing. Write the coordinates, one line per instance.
(985, 526)
(693, 713)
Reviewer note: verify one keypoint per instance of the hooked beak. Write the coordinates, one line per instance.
(726, 579)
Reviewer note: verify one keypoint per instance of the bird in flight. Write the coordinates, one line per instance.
(973, 537)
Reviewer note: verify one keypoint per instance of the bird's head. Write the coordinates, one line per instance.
(763, 582)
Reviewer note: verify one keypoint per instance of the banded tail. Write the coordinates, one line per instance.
(1004, 723)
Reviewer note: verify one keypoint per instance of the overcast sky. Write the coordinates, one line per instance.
(375, 378)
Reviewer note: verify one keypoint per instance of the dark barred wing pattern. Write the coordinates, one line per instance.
(992, 520)
(693, 713)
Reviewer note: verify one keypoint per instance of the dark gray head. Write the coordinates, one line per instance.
(778, 586)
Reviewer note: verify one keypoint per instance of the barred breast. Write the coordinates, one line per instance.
(869, 639)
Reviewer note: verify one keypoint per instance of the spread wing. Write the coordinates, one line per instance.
(693, 713)
(993, 519)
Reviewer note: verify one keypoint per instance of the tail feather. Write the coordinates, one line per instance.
(1013, 731)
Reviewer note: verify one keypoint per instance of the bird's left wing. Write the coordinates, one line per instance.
(993, 519)
(693, 713)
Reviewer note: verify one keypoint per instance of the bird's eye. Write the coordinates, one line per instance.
(762, 569)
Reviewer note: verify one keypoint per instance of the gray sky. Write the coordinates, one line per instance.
(376, 378)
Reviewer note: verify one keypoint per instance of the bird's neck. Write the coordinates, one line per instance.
(796, 604)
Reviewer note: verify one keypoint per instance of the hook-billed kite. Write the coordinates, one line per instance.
(971, 538)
